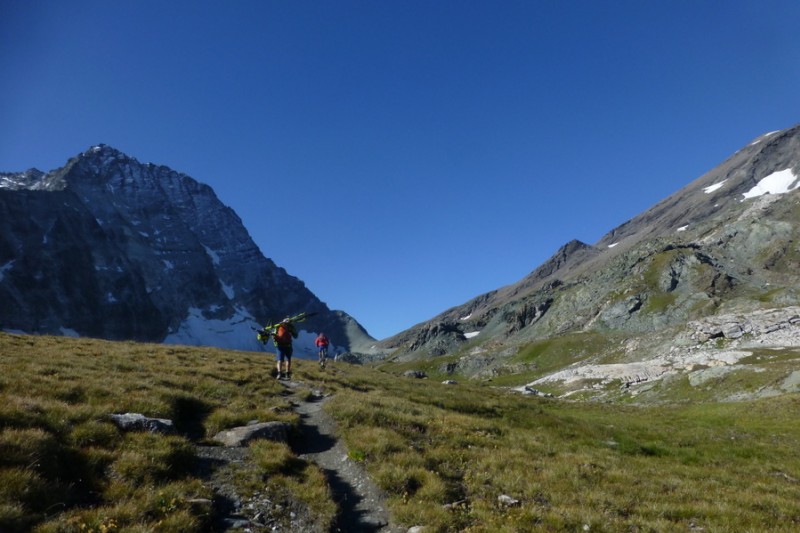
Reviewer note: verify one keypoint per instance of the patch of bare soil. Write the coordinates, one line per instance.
(230, 511)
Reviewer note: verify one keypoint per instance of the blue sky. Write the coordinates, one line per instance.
(402, 157)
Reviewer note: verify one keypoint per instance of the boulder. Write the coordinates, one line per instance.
(139, 422)
(241, 436)
(530, 391)
(507, 501)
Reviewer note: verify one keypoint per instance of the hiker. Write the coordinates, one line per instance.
(322, 343)
(284, 333)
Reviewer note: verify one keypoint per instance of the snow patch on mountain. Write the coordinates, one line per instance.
(228, 290)
(5, 268)
(716, 186)
(779, 182)
(763, 137)
(236, 333)
(212, 254)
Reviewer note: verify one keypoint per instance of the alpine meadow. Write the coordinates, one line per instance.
(465, 457)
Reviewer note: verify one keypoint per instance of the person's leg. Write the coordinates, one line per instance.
(279, 360)
(288, 354)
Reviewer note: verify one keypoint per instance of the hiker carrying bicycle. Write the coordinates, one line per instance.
(284, 333)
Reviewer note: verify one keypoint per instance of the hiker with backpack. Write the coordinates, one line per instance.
(284, 333)
(322, 343)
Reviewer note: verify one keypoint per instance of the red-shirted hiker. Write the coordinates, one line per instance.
(322, 343)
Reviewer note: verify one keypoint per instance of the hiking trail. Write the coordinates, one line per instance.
(362, 505)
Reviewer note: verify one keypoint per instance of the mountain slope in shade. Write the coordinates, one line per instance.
(109, 247)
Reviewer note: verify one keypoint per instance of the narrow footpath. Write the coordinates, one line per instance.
(362, 504)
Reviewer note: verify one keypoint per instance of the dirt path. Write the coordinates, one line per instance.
(362, 504)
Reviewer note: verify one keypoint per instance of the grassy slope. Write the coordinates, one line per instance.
(443, 453)
(65, 467)
(724, 467)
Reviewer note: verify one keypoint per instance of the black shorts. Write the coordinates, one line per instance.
(285, 352)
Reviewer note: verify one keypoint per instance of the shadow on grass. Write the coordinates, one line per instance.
(189, 414)
(351, 518)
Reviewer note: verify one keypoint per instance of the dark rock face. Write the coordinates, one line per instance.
(728, 240)
(109, 247)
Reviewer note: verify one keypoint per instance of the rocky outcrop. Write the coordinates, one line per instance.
(703, 350)
(753, 323)
(436, 338)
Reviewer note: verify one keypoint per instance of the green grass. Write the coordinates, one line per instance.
(65, 467)
(443, 454)
(552, 354)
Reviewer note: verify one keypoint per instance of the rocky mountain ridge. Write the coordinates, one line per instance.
(727, 243)
(112, 248)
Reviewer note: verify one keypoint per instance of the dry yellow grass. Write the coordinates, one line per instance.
(65, 467)
(444, 454)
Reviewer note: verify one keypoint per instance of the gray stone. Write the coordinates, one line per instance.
(139, 422)
(243, 435)
(507, 501)
(530, 391)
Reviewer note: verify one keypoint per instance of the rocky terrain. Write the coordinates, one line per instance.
(706, 349)
(722, 250)
(112, 248)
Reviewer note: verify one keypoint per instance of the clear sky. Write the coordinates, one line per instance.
(403, 156)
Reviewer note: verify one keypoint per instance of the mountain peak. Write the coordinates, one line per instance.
(105, 151)
(20, 180)
(141, 251)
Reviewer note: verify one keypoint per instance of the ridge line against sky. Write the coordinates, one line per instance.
(404, 157)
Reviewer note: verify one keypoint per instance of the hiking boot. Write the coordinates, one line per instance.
(288, 375)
